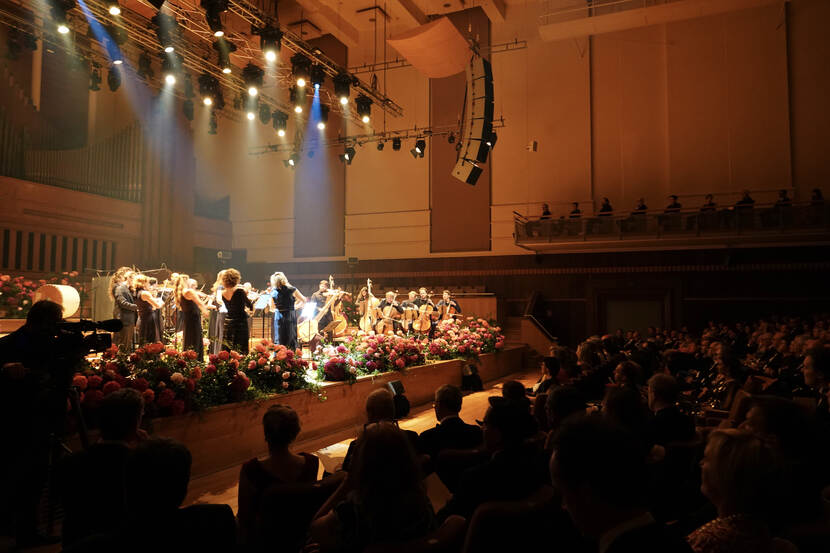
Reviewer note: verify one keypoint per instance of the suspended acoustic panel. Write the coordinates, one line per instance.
(436, 49)
(477, 127)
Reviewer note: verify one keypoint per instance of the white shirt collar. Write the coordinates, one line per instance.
(610, 536)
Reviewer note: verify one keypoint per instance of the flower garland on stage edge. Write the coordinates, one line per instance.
(175, 382)
(17, 293)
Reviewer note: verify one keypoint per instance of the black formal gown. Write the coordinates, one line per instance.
(191, 320)
(285, 316)
(236, 322)
(147, 326)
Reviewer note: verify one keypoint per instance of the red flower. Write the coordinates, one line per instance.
(235, 356)
(192, 355)
(111, 367)
(79, 381)
(181, 363)
(196, 373)
(92, 398)
(210, 369)
(190, 384)
(213, 358)
(140, 384)
(166, 398)
(234, 363)
(134, 357)
(400, 363)
(177, 407)
(163, 373)
(224, 355)
(148, 396)
(251, 365)
(111, 387)
(170, 352)
(261, 362)
(95, 381)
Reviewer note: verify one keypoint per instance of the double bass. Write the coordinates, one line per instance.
(308, 329)
(368, 319)
(339, 324)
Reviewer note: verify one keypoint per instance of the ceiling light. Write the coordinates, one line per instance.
(113, 8)
(166, 30)
(210, 91)
(253, 77)
(270, 41)
(207, 100)
(342, 83)
(318, 76)
(170, 79)
(169, 49)
(293, 160)
(491, 142)
(252, 91)
(213, 15)
(63, 28)
(270, 56)
(300, 67)
(58, 12)
(364, 107)
(324, 117)
(250, 115)
(279, 120)
(396, 144)
(224, 49)
(348, 155)
(295, 96)
(419, 149)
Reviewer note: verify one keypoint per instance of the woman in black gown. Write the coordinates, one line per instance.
(236, 322)
(148, 331)
(191, 310)
(285, 317)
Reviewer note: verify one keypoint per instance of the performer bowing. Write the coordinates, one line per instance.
(284, 297)
(448, 307)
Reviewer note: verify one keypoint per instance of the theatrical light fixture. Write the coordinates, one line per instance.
(491, 142)
(269, 40)
(324, 117)
(58, 12)
(114, 78)
(348, 155)
(381, 144)
(396, 144)
(300, 67)
(295, 98)
(168, 69)
(252, 75)
(113, 8)
(95, 78)
(113, 52)
(145, 66)
(213, 15)
(280, 122)
(293, 160)
(212, 123)
(224, 49)
(318, 76)
(419, 149)
(364, 107)
(166, 30)
(250, 115)
(207, 100)
(210, 91)
(342, 83)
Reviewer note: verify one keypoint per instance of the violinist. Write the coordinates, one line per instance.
(387, 307)
(320, 297)
(284, 297)
(448, 306)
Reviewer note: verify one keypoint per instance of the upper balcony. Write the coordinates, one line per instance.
(761, 225)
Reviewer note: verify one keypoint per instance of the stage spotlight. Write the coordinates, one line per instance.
(396, 144)
(280, 122)
(264, 114)
(250, 115)
(296, 99)
(324, 117)
(58, 12)
(364, 107)
(270, 40)
(95, 78)
(318, 76)
(207, 100)
(348, 155)
(381, 144)
(145, 67)
(212, 126)
(292, 161)
(224, 49)
(491, 142)
(210, 91)
(187, 109)
(114, 78)
(170, 79)
(114, 52)
(113, 8)
(419, 149)
(213, 15)
(341, 87)
(63, 28)
(300, 67)
(451, 137)
(252, 75)
(166, 30)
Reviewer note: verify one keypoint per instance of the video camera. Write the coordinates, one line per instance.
(70, 335)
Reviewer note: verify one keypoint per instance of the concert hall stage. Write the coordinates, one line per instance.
(228, 435)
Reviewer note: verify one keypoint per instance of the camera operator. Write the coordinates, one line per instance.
(36, 367)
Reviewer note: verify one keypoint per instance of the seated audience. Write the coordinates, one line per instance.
(599, 471)
(670, 425)
(816, 371)
(451, 432)
(387, 502)
(626, 408)
(514, 470)
(91, 481)
(380, 406)
(157, 477)
(628, 373)
(281, 425)
(741, 477)
(549, 368)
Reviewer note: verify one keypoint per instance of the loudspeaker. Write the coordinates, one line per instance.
(477, 127)
(470, 380)
(401, 402)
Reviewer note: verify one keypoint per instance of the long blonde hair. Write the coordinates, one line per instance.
(218, 282)
(279, 280)
(116, 279)
(180, 284)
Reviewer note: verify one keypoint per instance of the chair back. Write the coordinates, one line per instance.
(447, 539)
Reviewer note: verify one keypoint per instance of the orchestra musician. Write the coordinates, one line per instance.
(320, 297)
(391, 302)
(448, 306)
(236, 334)
(124, 308)
(216, 323)
(410, 310)
(424, 299)
(148, 330)
(283, 297)
(191, 310)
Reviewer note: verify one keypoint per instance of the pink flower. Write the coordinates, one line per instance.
(400, 363)
(170, 352)
(177, 378)
(285, 385)
(261, 362)
(251, 365)
(210, 369)
(224, 355)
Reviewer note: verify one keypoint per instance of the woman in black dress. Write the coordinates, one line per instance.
(236, 322)
(191, 310)
(148, 331)
(285, 317)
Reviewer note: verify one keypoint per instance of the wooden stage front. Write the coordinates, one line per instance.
(228, 435)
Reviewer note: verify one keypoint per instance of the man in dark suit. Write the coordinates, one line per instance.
(126, 311)
(601, 473)
(451, 432)
(670, 425)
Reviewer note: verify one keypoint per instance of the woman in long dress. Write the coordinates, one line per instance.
(216, 322)
(147, 303)
(236, 333)
(191, 310)
(284, 297)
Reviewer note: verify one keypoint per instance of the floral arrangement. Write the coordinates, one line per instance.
(469, 340)
(17, 293)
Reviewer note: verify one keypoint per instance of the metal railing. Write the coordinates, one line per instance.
(732, 221)
(560, 11)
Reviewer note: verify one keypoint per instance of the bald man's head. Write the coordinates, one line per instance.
(380, 406)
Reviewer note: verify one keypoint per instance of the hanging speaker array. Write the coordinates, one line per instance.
(477, 128)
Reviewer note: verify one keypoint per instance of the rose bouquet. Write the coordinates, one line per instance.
(274, 368)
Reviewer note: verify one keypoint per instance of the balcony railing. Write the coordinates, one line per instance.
(769, 220)
(559, 11)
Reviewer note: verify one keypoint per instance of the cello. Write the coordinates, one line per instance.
(308, 329)
(424, 321)
(369, 317)
(449, 310)
(387, 317)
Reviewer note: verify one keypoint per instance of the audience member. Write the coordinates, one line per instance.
(626, 408)
(816, 371)
(599, 471)
(575, 213)
(281, 425)
(675, 206)
(640, 208)
(708, 204)
(451, 432)
(670, 425)
(746, 201)
(545, 212)
(741, 477)
(628, 373)
(549, 368)
(387, 502)
(605, 209)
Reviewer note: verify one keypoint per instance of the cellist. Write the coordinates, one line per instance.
(422, 300)
(448, 306)
(387, 307)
